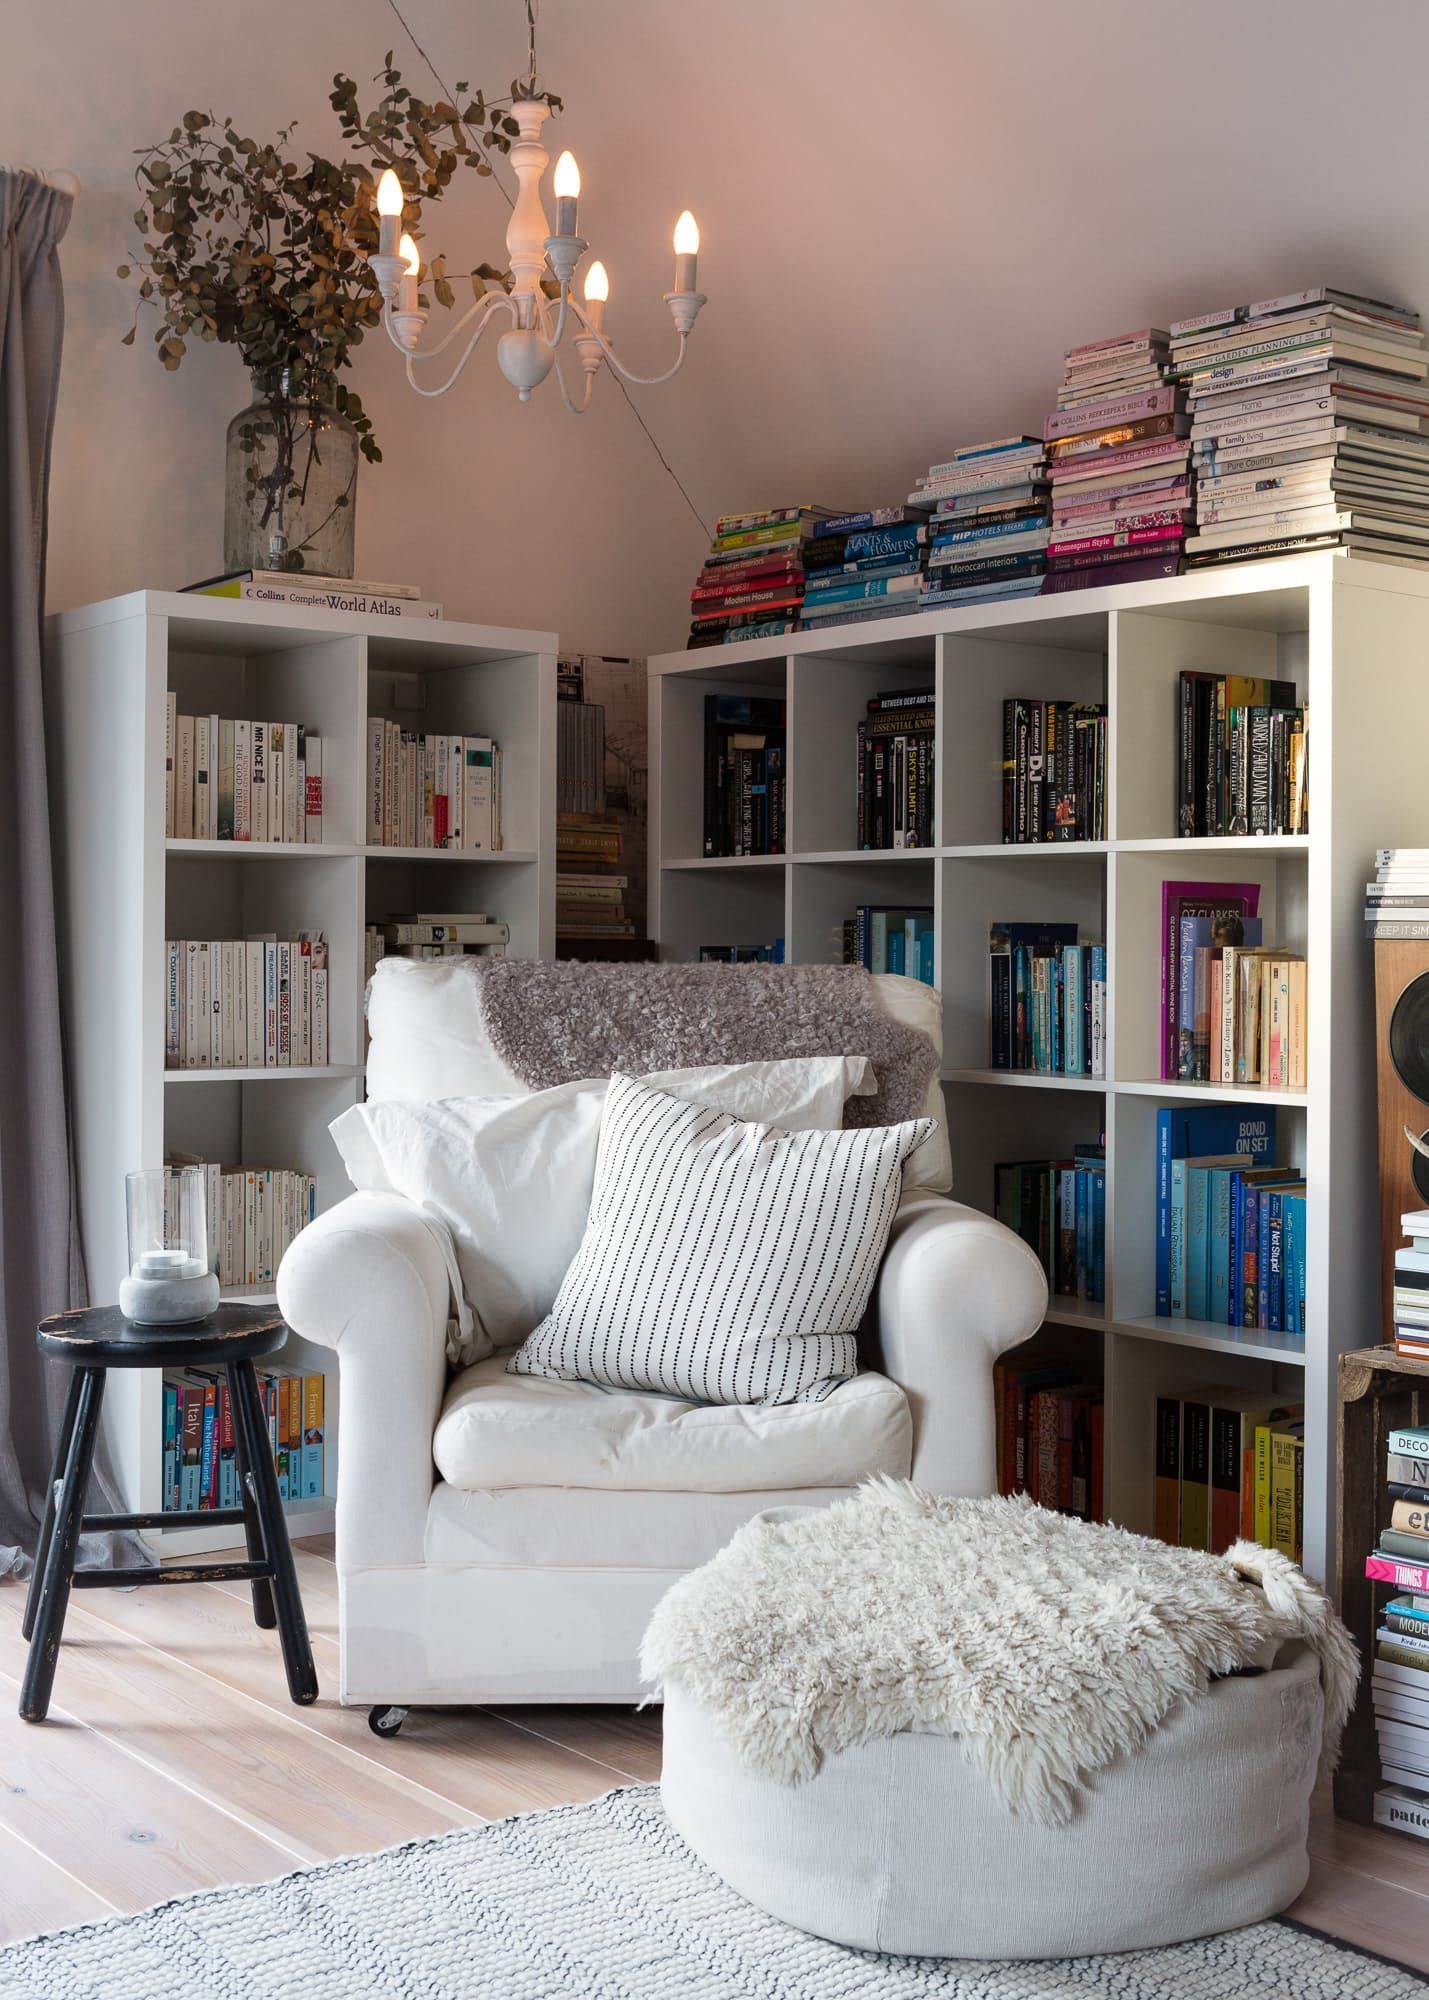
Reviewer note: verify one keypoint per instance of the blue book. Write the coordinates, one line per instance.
(990, 531)
(885, 541)
(1187, 1131)
(1098, 1179)
(1074, 986)
(1275, 1288)
(895, 947)
(1084, 1235)
(1177, 1266)
(1218, 1246)
(171, 1446)
(1197, 1221)
(853, 591)
(927, 958)
(915, 930)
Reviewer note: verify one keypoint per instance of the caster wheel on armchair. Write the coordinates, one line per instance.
(385, 1720)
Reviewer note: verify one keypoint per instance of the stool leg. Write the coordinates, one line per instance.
(47, 1524)
(263, 1612)
(59, 1556)
(262, 1481)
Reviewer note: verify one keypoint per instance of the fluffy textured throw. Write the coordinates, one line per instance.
(555, 1022)
(1050, 1646)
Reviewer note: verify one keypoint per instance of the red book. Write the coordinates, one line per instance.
(1098, 1449)
(769, 601)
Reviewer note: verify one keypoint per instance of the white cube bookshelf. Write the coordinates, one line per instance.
(1353, 637)
(123, 888)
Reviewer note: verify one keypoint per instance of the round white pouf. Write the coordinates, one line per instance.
(900, 1846)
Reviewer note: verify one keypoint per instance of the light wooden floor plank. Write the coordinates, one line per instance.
(38, 1895)
(622, 1739)
(1378, 1916)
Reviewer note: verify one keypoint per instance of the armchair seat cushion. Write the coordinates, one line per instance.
(500, 1430)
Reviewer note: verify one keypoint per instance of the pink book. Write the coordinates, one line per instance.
(1120, 538)
(1192, 899)
(1119, 410)
(1156, 451)
(1403, 1575)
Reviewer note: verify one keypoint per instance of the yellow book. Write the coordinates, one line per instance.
(1285, 1449)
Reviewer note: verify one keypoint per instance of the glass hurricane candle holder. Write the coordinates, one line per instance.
(170, 1281)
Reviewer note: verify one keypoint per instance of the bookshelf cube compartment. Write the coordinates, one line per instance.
(825, 894)
(506, 889)
(677, 799)
(990, 1126)
(828, 699)
(739, 903)
(224, 896)
(1004, 888)
(466, 691)
(977, 676)
(258, 1123)
(1135, 968)
(314, 681)
(1150, 650)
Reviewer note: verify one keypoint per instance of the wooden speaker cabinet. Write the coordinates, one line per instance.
(1401, 1007)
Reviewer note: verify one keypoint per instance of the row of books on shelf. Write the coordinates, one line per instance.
(434, 934)
(1397, 901)
(1233, 1010)
(246, 1003)
(1047, 1000)
(1295, 422)
(1053, 770)
(431, 790)
(894, 770)
(745, 798)
(1058, 1207)
(885, 939)
(1399, 1683)
(1230, 1223)
(200, 1450)
(742, 954)
(1242, 756)
(252, 1215)
(1229, 1465)
(1050, 1437)
(240, 780)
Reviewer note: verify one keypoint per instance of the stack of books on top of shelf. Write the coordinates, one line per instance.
(1309, 419)
(861, 567)
(1397, 901)
(752, 583)
(1046, 1000)
(895, 770)
(436, 934)
(1230, 1223)
(1411, 1287)
(1049, 1434)
(200, 1458)
(1119, 463)
(1059, 1208)
(430, 790)
(987, 534)
(1400, 1682)
(320, 593)
(253, 1214)
(744, 775)
(885, 939)
(1053, 770)
(1229, 1466)
(592, 906)
(240, 780)
(1242, 756)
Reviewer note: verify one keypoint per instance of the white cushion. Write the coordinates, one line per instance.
(724, 1260)
(428, 1040)
(509, 1179)
(499, 1429)
(580, 1529)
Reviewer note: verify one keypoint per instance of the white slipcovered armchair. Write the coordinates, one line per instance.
(504, 1538)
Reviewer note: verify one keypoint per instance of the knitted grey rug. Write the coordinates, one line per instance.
(554, 1022)
(599, 1902)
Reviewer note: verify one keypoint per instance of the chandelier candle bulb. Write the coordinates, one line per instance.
(687, 245)
(407, 302)
(597, 291)
(567, 186)
(389, 213)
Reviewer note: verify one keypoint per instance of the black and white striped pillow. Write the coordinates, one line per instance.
(723, 1261)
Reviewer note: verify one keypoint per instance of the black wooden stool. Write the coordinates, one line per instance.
(93, 1342)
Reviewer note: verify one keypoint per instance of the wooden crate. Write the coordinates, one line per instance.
(1380, 1391)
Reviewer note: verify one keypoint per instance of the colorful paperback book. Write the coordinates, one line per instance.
(1189, 1131)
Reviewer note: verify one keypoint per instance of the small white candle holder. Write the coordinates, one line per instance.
(170, 1281)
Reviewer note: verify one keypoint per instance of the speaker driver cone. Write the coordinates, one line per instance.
(1409, 1042)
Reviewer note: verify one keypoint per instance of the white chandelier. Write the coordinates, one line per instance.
(527, 350)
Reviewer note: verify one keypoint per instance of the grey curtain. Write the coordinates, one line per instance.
(41, 1269)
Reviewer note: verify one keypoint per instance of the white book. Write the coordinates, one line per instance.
(1402, 1804)
(277, 780)
(270, 1003)
(263, 1206)
(456, 802)
(477, 793)
(211, 823)
(258, 785)
(253, 1003)
(242, 780)
(213, 958)
(250, 1227)
(497, 834)
(228, 1003)
(302, 1004)
(312, 787)
(228, 1257)
(191, 1005)
(427, 826)
(376, 804)
(391, 780)
(240, 1003)
(172, 1044)
(411, 779)
(170, 733)
(184, 781)
(292, 792)
(204, 1024)
(320, 1006)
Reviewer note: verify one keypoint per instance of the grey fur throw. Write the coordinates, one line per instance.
(556, 1022)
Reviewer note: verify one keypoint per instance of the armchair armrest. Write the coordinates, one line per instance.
(369, 1280)
(955, 1290)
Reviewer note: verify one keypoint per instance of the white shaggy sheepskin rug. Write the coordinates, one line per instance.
(1049, 1645)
